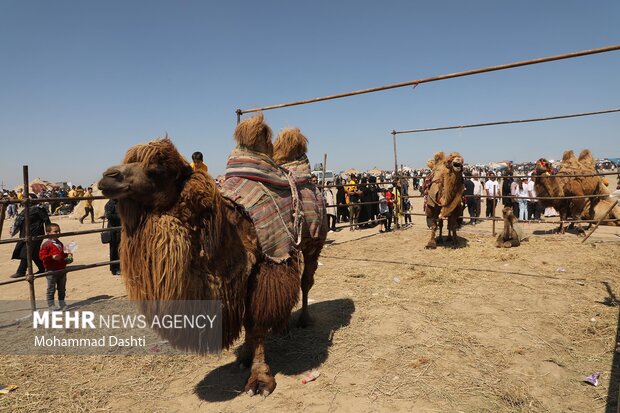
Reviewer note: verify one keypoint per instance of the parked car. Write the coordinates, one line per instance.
(329, 176)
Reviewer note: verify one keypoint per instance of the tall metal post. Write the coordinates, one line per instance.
(239, 112)
(30, 274)
(395, 160)
(324, 168)
(493, 210)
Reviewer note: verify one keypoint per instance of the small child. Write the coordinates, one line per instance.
(55, 258)
(384, 210)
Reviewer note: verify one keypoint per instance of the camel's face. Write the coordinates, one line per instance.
(456, 164)
(542, 166)
(152, 175)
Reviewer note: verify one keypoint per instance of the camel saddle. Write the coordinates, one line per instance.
(263, 191)
(312, 202)
(433, 190)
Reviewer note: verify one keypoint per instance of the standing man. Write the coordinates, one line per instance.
(532, 204)
(39, 218)
(469, 198)
(114, 220)
(491, 188)
(354, 195)
(478, 190)
(88, 207)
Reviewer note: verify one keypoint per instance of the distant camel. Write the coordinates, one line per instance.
(443, 195)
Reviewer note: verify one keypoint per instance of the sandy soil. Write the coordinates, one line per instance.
(397, 328)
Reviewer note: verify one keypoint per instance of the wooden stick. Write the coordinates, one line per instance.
(599, 221)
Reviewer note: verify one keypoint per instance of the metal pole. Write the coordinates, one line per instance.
(395, 160)
(30, 274)
(324, 168)
(493, 209)
(508, 122)
(600, 220)
(442, 77)
(239, 113)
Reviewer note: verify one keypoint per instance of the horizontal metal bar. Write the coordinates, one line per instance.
(69, 269)
(505, 122)
(435, 78)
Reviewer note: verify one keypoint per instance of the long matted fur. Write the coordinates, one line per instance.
(196, 245)
(253, 133)
(290, 145)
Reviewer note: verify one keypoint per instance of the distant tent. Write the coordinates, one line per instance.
(375, 171)
(352, 171)
(37, 186)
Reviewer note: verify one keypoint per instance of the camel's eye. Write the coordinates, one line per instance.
(156, 172)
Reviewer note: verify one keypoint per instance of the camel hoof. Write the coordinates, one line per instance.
(260, 383)
(431, 245)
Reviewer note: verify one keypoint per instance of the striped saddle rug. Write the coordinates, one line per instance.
(263, 190)
(312, 202)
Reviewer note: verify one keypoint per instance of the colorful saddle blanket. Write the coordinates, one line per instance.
(312, 202)
(263, 190)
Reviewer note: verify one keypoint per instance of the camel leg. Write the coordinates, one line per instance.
(261, 381)
(452, 226)
(246, 353)
(432, 244)
(563, 216)
(440, 224)
(307, 281)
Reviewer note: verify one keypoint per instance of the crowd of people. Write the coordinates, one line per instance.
(361, 200)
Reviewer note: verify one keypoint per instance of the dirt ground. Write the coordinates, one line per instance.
(396, 328)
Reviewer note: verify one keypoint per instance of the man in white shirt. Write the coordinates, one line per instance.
(491, 188)
(532, 204)
(478, 189)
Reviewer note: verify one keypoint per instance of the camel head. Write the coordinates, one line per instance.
(290, 145)
(542, 167)
(455, 162)
(438, 159)
(152, 175)
(254, 134)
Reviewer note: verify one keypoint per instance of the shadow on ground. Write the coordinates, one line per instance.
(445, 242)
(295, 353)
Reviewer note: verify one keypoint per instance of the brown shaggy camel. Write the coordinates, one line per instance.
(566, 185)
(289, 151)
(560, 186)
(601, 205)
(444, 195)
(182, 240)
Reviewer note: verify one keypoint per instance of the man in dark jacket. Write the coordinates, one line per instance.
(470, 201)
(114, 220)
(39, 218)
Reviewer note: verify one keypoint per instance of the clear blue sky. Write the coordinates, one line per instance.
(82, 81)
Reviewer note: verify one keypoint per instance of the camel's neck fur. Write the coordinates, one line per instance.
(452, 190)
(161, 253)
(546, 186)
